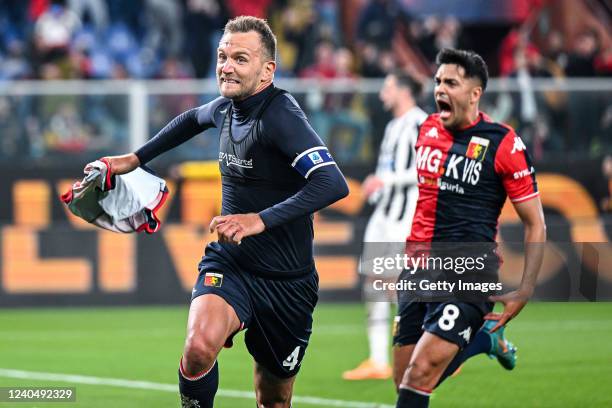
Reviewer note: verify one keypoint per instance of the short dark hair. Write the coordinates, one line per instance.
(244, 24)
(407, 81)
(472, 63)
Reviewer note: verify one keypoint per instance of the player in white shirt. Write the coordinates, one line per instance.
(393, 189)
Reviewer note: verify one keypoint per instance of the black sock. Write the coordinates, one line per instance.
(480, 344)
(200, 388)
(412, 398)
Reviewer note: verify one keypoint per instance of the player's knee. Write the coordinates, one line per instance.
(198, 355)
(277, 400)
(420, 373)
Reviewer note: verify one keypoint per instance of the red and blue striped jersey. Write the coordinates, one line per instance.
(464, 177)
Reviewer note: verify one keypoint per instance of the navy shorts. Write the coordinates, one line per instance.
(276, 313)
(454, 321)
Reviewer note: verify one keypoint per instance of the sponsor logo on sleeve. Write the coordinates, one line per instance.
(523, 173)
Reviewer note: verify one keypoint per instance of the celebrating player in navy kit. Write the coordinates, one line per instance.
(275, 174)
(466, 165)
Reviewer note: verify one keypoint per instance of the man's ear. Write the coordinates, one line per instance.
(268, 71)
(475, 94)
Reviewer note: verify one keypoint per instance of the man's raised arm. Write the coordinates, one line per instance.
(532, 215)
(182, 128)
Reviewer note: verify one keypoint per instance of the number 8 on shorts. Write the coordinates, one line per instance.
(449, 315)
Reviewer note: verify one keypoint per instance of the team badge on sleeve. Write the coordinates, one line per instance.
(311, 159)
(213, 279)
(477, 148)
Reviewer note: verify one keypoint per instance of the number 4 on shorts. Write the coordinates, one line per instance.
(292, 360)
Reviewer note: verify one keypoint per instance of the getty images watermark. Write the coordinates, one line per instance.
(571, 271)
(431, 271)
(411, 265)
(431, 277)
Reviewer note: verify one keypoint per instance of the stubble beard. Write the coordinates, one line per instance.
(237, 94)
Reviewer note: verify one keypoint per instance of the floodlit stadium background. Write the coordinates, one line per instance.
(105, 313)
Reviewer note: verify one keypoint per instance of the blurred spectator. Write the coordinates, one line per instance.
(173, 68)
(375, 62)
(581, 61)
(586, 110)
(298, 35)
(541, 116)
(257, 8)
(14, 20)
(345, 64)
(333, 115)
(119, 72)
(447, 35)
(377, 22)
(517, 38)
(128, 13)
(50, 71)
(37, 7)
(328, 19)
(53, 31)
(164, 29)
(554, 53)
(346, 114)
(173, 105)
(531, 61)
(15, 65)
(203, 19)
(12, 142)
(324, 66)
(424, 35)
(603, 63)
(93, 12)
(66, 131)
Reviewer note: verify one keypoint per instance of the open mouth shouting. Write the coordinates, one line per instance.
(444, 107)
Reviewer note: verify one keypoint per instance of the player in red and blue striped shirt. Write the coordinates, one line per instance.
(467, 165)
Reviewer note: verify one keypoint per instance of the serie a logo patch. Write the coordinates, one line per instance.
(213, 279)
(315, 158)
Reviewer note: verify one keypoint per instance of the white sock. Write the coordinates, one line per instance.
(378, 331)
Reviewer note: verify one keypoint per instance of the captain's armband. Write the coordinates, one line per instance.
(311, 159)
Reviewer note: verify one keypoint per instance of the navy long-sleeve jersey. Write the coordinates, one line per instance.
(273, 163)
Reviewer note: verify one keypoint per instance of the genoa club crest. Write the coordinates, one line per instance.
(213, 279)
(477, 148)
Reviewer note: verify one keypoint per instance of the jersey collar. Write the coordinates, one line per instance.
(242, 109)
(478, 119)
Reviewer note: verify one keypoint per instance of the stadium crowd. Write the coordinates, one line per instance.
(117, 39)
(320, 39)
